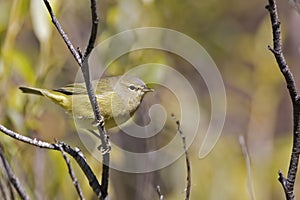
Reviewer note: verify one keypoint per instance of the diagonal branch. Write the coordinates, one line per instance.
(76, 154)
(289, 182)
(160, 195)
(2, 191)
(12, 177)
(63, 34)
(71, 172)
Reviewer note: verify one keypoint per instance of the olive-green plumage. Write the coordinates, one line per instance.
(118, 98)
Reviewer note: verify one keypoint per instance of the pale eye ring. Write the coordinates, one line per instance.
(132, 87)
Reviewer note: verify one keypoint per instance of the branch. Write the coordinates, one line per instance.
(93, 182)
(12, 178)
(187, 160)
(10, 189)
(98, 117)
(82, 61)
(76, 154)
(71, 172)
(3, 193)
(283, 181)
(63, 34)
(277, 51)
(287, 183)
(160, 196)
(94, 30)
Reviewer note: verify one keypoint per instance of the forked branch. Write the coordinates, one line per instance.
(75, 153)
(82, 60)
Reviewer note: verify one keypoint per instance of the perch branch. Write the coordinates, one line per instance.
(82, 60)
(99, 119)
(287, 183)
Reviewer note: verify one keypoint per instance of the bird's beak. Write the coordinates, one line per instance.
(146, 89)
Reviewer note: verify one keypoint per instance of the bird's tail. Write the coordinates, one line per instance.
(31, 90)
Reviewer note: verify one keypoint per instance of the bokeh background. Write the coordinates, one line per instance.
(234, 33)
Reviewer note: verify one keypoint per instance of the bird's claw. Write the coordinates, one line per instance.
(106, 149)
(96, 122)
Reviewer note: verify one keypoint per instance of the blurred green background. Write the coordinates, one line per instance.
(234, 33)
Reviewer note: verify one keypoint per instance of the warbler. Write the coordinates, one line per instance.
(118, 98)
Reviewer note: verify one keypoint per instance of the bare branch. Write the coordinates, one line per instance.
(98, 117)
(71, 172)
(187, 160)
(25, 139)
(63, 34)
(7, 189)
(160, 196)
(82, 60)
(283, 181)
(76, 154)
(94, 30)
(2, 191)
(287, 183)
(12, 178)
(93, 182)
(277, 51)
(10, 189)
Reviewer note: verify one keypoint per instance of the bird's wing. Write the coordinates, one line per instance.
(102, 86)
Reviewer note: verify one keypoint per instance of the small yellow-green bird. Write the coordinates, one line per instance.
(118, 98)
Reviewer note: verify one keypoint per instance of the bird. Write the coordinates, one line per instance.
(118, 98)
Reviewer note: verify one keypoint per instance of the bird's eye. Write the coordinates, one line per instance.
(131, 87)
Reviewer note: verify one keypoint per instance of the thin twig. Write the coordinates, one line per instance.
(248, 165)
(10, 189)
(76, 154)
(12, 178)
(94, 30)
(283, 181)
(2, 191)
(71, 172)
(160, 196)
(63, 34)
(187, 160)
(289, 182)
(93, 182)
(9, 192)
